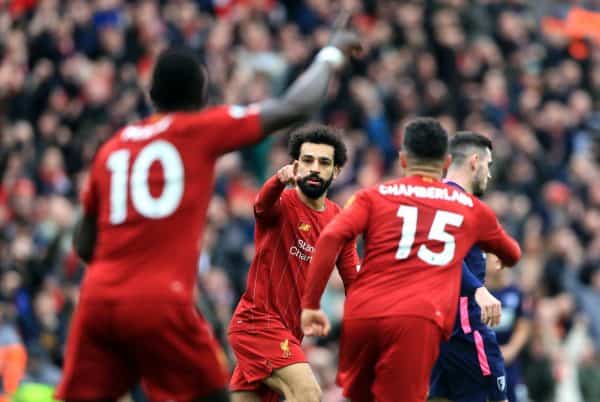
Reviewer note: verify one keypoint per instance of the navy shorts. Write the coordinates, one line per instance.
(470, 368)
(513, 380)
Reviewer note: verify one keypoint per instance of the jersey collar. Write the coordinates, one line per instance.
(454, 184)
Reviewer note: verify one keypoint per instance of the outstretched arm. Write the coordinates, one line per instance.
(304, 97)
(493, 238)
(235, 127)
(267, 206)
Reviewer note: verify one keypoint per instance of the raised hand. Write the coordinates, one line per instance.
(343, 37)
(286, 175)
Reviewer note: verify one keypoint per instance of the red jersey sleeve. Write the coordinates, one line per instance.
(89, 193)
(267, 206)
(347, 263)
(344, 227)
(493, 238)
(228, 127)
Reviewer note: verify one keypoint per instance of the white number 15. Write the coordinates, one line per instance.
(437, 232)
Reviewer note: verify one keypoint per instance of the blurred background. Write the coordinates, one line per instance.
(525, 73)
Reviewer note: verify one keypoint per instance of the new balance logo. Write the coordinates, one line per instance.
(304, 227)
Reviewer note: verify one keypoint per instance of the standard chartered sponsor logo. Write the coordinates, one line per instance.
(301, 250)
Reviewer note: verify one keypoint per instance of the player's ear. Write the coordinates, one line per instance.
(403, 161)
(336, 171)
(447, 162)
(295, 167)
(473, 161)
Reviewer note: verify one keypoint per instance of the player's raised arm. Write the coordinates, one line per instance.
(180, 81)
(305, 95)
(267, 204)
(493, 238)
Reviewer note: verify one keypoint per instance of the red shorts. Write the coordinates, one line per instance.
(387, 359)
(258, 353)
(168, 346)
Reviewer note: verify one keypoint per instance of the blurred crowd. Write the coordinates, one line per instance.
(74, 71)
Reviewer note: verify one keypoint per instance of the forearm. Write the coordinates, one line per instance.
(327, 249)
(505, 248)
(347, 264)
(300, 101)
(268, 195)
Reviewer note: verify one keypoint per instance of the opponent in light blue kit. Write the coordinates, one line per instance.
(514, 329)
(470, 367)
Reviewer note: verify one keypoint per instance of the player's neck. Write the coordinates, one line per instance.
(432, 173)
(461, 179)
(317, 204)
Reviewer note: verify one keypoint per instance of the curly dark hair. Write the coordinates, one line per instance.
(179, 81)
(425, 139)
(318, 134)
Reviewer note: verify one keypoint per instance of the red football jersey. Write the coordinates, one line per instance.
(149, 188)
(285, 236)
(417, 232)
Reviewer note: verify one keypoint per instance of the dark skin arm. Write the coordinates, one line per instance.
(84, 237)
(304, 97)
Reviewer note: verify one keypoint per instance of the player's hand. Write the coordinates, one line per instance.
(343, 38)
(315, 323)
(286, 175)
(491, 308)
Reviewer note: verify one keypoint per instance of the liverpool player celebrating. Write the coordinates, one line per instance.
(470, 367)
(144, 210)
(265, 331)
(403, 301)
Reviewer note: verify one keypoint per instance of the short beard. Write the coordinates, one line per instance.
(311, 191)
(478, 189)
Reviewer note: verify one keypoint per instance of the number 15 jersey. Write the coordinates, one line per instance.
(417, 231)
(149, 188)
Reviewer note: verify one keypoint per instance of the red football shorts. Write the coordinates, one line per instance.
(387, 359)
(168, 346)
(258, 353)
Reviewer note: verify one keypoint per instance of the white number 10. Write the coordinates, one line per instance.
(437, 232)
(147, 205)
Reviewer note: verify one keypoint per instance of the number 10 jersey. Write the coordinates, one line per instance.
(149, 188)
